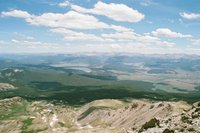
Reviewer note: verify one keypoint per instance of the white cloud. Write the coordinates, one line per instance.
(15, 41)
(165, 32)
(71, 19)
(17, 13)
(73, 26)
(117, 12)
(64, 4)
(120, 28)
(66, 23)
(132, 37)
(24, 36)
(83, 32)
(190, 15)
(25, 46)
(196, 41)
(116, 46)
(123, 36)
(76, 36)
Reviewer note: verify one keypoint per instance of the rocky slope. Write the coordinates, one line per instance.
(101, 116)
(6, 86)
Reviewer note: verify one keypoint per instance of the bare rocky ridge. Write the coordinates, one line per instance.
(101, 116)
(6, 86)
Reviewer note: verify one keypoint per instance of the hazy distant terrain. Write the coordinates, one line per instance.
(78, 79)
(95, 93)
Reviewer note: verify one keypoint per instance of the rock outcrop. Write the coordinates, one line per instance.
(110, 116)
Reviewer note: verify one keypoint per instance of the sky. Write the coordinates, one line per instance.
(100, 26)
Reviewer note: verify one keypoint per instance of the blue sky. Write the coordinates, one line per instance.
(75, 26)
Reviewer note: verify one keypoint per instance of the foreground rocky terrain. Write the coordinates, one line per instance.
(101, 116)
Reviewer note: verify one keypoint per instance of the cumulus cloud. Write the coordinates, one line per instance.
(64, 23)
(120, 28)
(190, 16)
(117, 12)
(68, 25)
(64, 4)
(165, 32)
(76, 36)
(73, 27)
(71, 19)
(83, 27)
(131, 36)
(16, 13)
